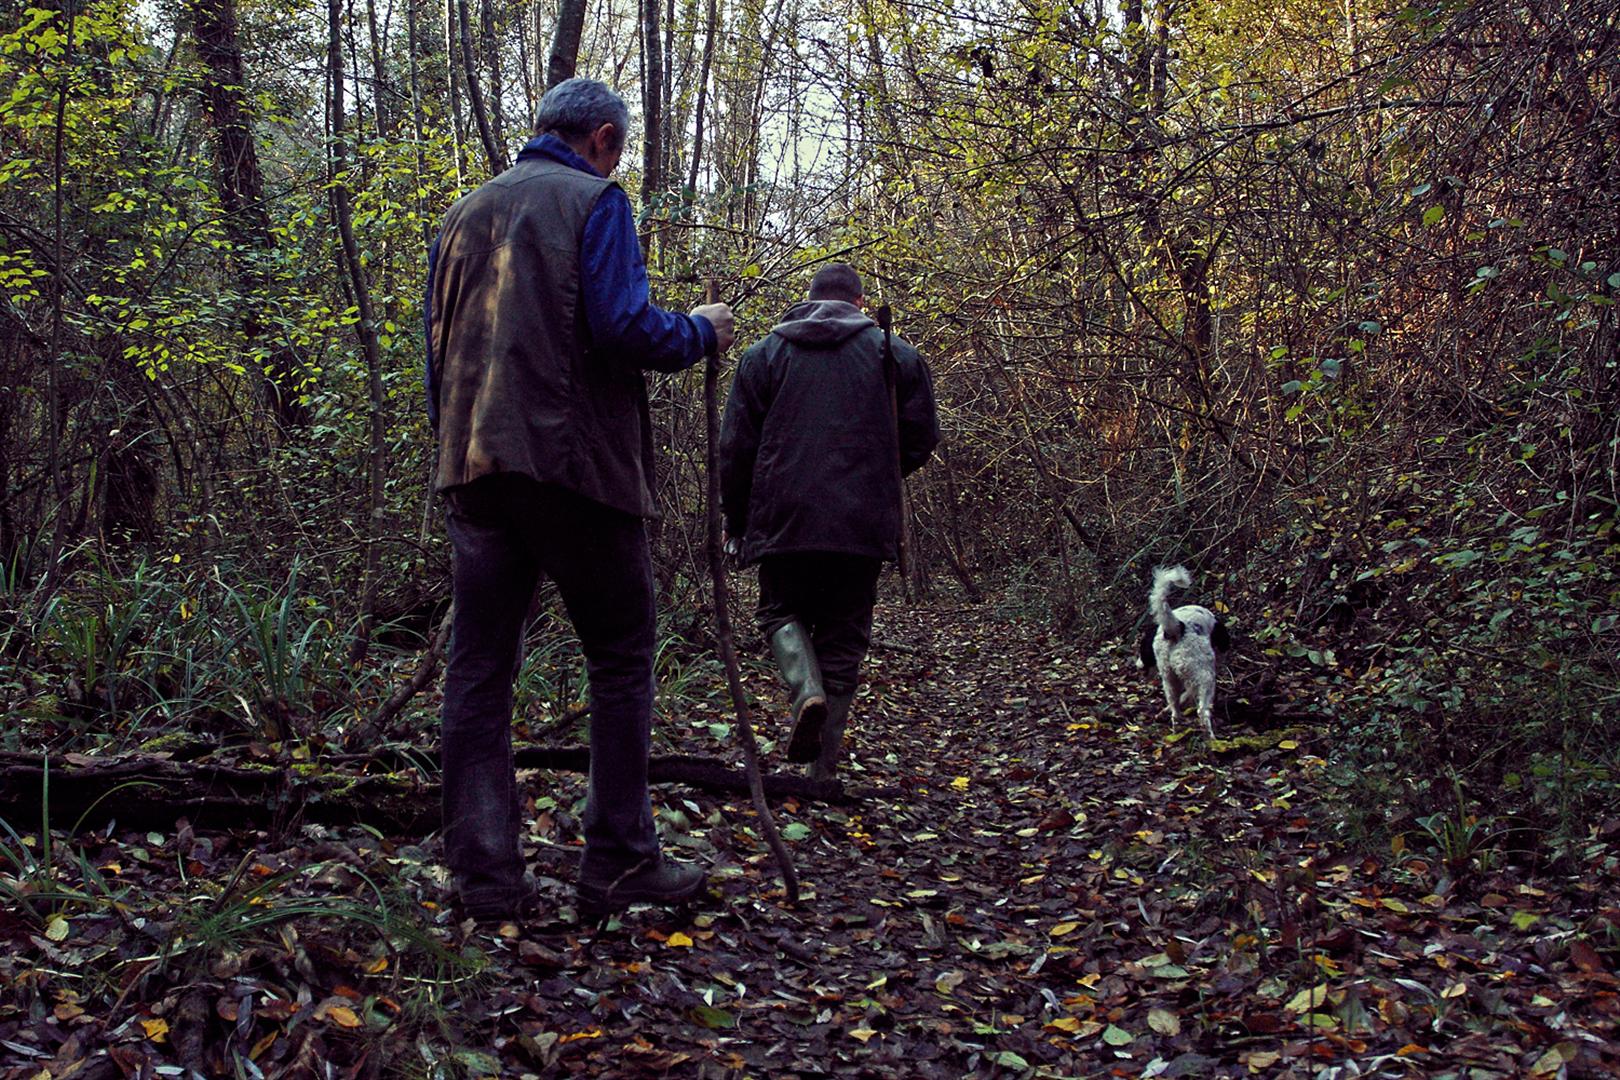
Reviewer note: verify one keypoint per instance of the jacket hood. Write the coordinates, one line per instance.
(821, 323)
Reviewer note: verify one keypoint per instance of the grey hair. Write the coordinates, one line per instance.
(576, 107)
(837, 281)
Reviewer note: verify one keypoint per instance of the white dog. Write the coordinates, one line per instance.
(1186, 647)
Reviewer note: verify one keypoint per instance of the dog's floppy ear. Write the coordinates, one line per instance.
(1219, 637)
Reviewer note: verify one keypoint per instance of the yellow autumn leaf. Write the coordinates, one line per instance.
(1288, 744)
(678, 940)
(1306, 1000)
(377, 966)
(862, 1034)
(1070, 1024)
(960, 783)
(343, 1016)
(56, 929)
(157, 1029)
(1063, 928)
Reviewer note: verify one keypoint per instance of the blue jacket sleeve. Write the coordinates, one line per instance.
(618, 307)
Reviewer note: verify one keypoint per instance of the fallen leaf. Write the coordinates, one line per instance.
(157, 1029)
(56, 929)
(960, 784)
(1116, 1036)
(1583, 956)
(711, 1017)
(1063, 928)
(863, 1034)
(343, 1016)
(678, 940)
(1306, 1000)
(1164, 1022)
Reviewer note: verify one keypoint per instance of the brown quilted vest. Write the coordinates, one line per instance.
(519, 388)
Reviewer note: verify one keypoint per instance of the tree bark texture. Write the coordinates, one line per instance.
(565, 42)
(240, 182)
(151, 792)
(494, 153)
(365, 330)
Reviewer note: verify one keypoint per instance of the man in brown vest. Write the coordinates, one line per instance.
(539, 328)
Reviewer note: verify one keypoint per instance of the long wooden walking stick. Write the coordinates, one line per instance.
(722, 624)
(891, 378)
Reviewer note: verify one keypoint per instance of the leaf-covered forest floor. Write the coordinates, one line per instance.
(1053, 883)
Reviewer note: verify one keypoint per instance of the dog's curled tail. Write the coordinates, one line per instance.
(1166, 578)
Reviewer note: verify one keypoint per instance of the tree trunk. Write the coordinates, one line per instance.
(381, 104)
(365, 330)
(59, 480)
(497, 84)
(493, 151)
(241, 194)
(452, 78)
(397, 801)
(702, 96)
(565, 42)
(652, 116)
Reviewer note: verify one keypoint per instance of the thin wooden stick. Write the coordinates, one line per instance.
(722, 626)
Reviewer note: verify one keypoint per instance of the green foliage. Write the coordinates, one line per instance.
(289, 642)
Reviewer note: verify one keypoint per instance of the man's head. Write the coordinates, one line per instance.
(587, 116)
(837, 281)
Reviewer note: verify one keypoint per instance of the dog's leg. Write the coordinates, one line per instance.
(1206, 706)
(1172, 693)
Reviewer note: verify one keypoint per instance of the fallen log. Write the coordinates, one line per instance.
(152, 792)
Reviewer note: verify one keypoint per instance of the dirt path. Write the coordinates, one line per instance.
(1061, 887)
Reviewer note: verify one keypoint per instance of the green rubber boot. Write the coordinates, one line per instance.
(796, 658)
(832, 737)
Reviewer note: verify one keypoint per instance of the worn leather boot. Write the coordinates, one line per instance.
(796, 658)
(832, 737)
(653, 880)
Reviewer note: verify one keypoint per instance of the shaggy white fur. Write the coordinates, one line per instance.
(1185, 647)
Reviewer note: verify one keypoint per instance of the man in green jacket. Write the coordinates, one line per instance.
(812, 451)
(539, 328)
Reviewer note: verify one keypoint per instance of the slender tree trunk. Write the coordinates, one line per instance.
(452, 50)
(59, 480)
(703, 96)
(366, 330)
(386, 121)
(565, 42)
(666, 137)
(652, 115)
(493, 151)
(497, 84)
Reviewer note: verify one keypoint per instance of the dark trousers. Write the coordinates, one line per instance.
(831, 596)
(505, 530)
